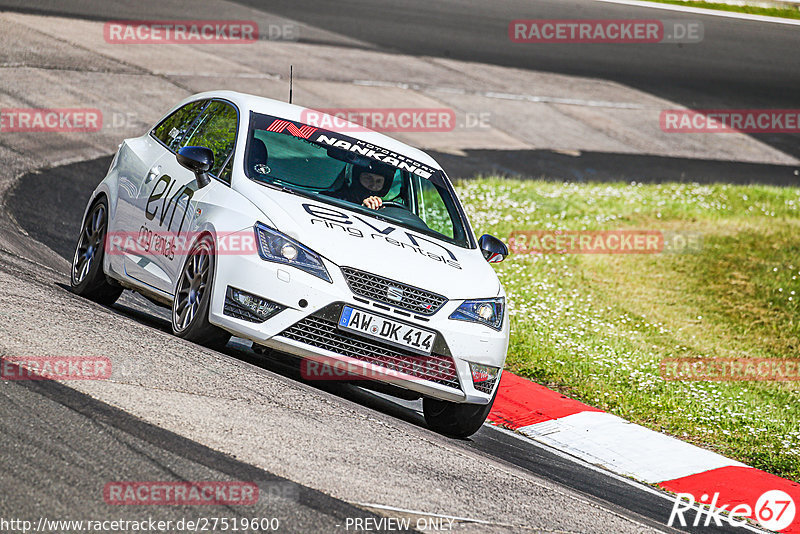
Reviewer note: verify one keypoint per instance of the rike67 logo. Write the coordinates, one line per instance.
(774, 510)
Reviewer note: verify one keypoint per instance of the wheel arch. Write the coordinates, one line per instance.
(205, 230)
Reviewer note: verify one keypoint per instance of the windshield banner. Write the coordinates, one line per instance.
(351, 147)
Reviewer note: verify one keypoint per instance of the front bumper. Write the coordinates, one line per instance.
(307, 328)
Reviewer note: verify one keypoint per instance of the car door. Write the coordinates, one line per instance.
(169, 204)
(136, 181)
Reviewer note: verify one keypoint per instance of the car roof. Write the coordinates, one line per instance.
(293, 112)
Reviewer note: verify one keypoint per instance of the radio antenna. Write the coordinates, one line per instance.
(291, 79)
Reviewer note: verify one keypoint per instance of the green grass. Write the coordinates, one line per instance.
(597, 326)
(784, 12)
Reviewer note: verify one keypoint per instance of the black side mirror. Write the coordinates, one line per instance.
(199, 160)
(494, 250)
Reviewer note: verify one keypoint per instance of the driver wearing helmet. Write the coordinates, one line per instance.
(367, 187)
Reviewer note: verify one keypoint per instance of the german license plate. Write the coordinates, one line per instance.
(387, 330)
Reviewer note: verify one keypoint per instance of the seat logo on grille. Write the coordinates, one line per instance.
(395, 293)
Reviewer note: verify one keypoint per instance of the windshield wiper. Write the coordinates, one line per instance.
(273, 182)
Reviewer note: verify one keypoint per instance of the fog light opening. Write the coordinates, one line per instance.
(484, 377)
(243, 305)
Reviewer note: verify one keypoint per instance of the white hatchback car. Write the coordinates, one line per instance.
(346, 248)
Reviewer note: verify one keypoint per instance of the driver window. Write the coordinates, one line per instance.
(216, 130)
(172, 129)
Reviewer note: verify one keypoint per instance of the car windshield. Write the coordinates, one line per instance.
(337, 169)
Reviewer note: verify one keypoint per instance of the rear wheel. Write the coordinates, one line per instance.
(453, 419)
(87, 278)
(193, 297)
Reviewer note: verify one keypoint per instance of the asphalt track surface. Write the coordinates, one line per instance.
(142, 451)
(60, 448)
(739, 64)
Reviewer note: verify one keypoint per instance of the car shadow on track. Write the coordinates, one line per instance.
(143, 312)
(288, 366)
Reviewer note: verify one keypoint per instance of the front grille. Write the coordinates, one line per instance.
(405, 296)
(324, 334)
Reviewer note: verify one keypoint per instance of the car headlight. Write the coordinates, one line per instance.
(279, 248)
(484, 311)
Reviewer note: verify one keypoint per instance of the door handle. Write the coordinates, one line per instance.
(155, 171)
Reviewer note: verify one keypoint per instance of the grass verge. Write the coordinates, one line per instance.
(781, 12)
(596, 327)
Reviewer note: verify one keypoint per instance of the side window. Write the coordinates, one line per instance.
(432, 208)
(172, 129)
(216, 130)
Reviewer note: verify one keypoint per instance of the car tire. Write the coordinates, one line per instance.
(87, 278)
(454, 419)
(192, 299)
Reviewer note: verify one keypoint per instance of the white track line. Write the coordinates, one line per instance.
(702, 11)
(627, 449)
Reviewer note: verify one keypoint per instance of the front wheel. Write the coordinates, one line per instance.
(193, 297)
(87, 278)
(453, 419)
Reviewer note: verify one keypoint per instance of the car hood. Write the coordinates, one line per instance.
(353, 239)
